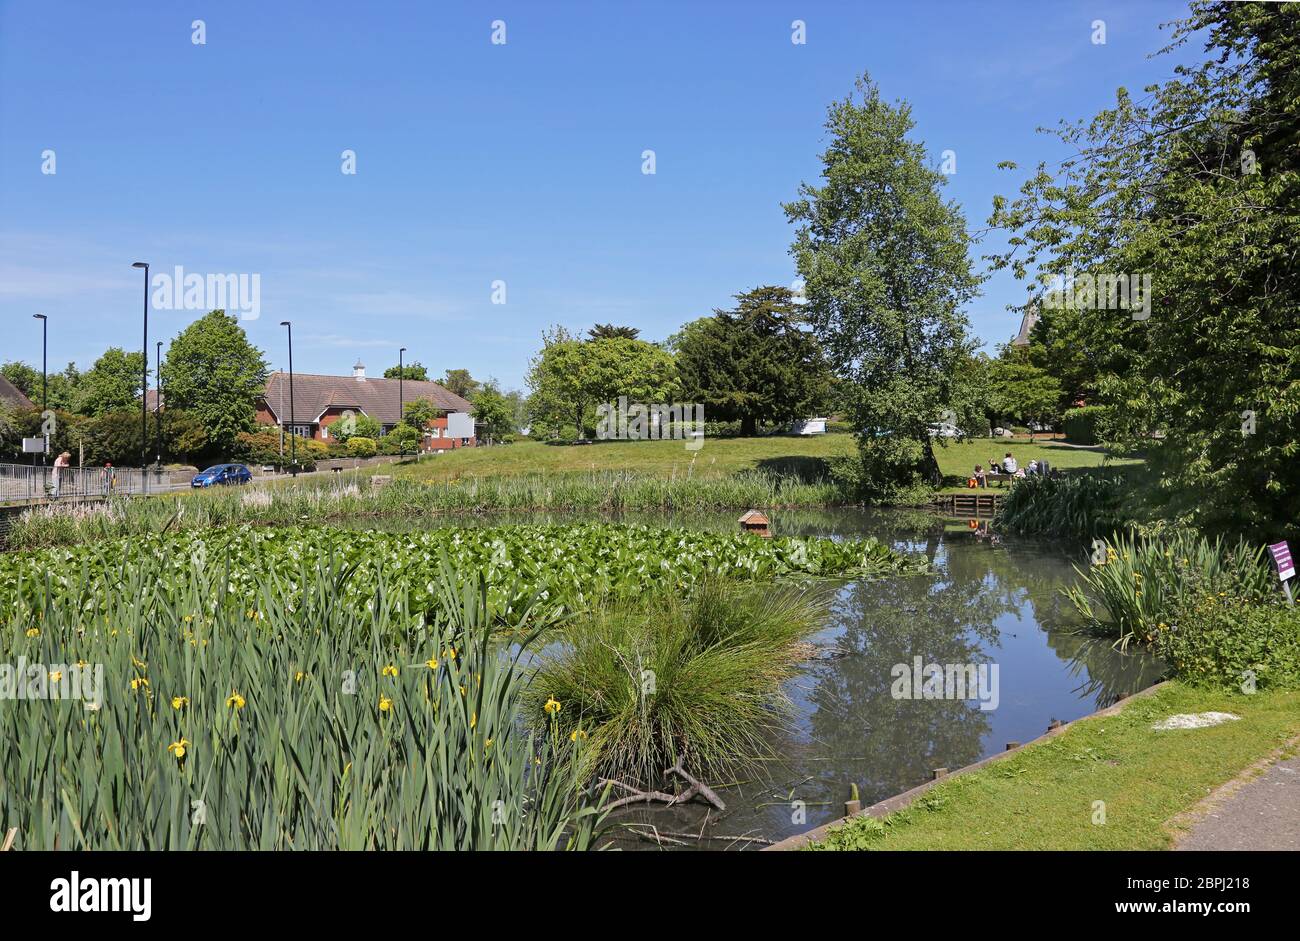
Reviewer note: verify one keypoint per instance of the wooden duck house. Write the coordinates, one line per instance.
(756, 523)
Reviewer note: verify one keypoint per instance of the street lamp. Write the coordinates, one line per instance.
(157, 401)
(293, 431)
(401, 402)
(144, 378)
(45, 382)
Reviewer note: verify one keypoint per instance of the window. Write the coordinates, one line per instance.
(302, 431)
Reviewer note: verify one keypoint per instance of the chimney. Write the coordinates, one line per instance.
(359, 372)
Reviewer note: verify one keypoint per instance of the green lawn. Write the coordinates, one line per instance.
(1043, 797)
(717, 457)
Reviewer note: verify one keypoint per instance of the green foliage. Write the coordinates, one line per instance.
(420, 413)
(608, 331)
(414, 371)
(887, 271)
(1194, 184)
(460, 382)
(226, 703)
(570, 377)
(362, 446)
(215, 374)
(1018, 391)
(1073, 505)
(1082, 425)
(573, 567)
(698, 678)
(288, 505)
(1138, 588)
(63, 386)
(493, 413)
(753, 363)
(403, 439)
(1233, 642)
(112, 384)
(263, 447)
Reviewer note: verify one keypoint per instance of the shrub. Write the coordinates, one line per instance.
(1082, 425)
(1231, 640)
(362, 447)
(263, 447)
(1075, 505)
(1139, 586)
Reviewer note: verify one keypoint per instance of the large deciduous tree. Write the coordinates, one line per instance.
(112, 384)
(886, 264)
(215, 374)
(1195, 184)
(753, 363)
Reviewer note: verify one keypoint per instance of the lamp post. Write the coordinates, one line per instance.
(45, 382)
(157, 401)
(293, 431)
(144, 378)
(401, 401)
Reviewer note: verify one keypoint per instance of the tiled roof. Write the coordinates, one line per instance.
(378, 398)
(9, 395)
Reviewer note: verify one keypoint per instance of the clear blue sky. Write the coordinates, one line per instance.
(478, 162)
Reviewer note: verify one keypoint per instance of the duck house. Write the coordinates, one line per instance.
(756, 523)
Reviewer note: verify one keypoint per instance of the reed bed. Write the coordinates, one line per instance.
(287, 503)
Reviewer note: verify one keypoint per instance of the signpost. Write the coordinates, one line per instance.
(1281, 553)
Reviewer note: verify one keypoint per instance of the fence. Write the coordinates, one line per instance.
(20, 483)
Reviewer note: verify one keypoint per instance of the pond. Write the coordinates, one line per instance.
(993, 606)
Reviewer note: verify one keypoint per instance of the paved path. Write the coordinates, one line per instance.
(1261, 814)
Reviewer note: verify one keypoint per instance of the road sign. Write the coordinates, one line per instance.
(33, 445)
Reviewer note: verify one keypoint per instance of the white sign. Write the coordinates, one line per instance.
(460, 425)
(33, 445)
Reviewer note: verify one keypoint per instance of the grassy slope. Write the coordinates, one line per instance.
(1042, 798)
(718, 456)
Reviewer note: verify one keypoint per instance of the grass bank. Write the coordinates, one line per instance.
(1044, 796)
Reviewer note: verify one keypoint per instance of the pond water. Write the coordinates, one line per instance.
(985, 605)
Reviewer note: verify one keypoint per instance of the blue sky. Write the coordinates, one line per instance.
(479, 162)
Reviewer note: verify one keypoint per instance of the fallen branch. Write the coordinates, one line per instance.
(637, 796)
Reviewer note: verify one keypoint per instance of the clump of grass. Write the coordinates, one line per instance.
(699, 677)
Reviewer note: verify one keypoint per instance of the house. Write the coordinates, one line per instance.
(319, 401)
(10, 397)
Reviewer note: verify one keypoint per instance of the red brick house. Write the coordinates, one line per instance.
(319, 401)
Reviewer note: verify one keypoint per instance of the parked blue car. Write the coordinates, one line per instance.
(222, 474)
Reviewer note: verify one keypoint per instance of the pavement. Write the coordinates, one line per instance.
(1262, 813)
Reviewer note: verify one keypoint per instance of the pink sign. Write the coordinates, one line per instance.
(1282, 559)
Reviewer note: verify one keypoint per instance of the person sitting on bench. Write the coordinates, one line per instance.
(981, 479)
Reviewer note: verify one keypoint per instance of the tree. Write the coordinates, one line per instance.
(886, 265)
(607, 331)
(1019, 391)
(63, 386)
(753, 363)
(112, 384)
(414, 371)
(492, 413)
(460, 382)
(213, 372)
(419, 413)
(1190, 194)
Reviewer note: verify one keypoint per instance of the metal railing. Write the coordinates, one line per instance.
(21, 483)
